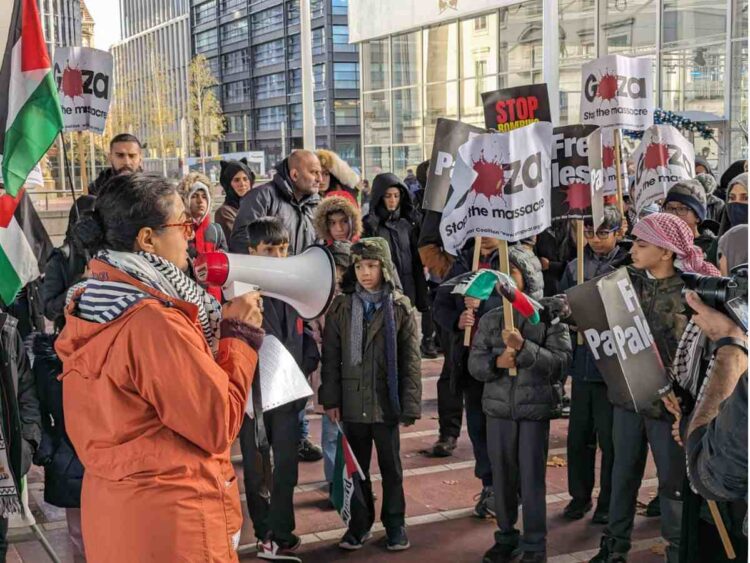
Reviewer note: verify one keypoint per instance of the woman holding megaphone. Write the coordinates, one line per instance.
(149, 408)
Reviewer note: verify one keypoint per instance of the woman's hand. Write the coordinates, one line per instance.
(334, 414)
(247, 308)
(672, 404)
(472, 303)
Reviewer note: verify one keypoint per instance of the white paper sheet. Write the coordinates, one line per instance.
(281, 380)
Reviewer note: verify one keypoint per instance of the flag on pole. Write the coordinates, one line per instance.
(30, 115)
(347, 480)
(24, 245)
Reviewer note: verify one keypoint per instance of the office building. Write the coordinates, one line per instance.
(254, 50)
(422, 60)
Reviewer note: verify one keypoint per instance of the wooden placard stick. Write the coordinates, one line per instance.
(474, 268)
(502, 246)
(580, 246)
(618, 171)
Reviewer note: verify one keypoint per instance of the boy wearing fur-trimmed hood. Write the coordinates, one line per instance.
(372, 381)
(337, 218)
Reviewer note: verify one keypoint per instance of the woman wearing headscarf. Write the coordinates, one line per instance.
(338, 178)
(150, 410)
(237, 179)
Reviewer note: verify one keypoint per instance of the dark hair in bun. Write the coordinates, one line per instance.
(126, 204)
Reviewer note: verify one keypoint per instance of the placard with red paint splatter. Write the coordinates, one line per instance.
(501, 187)
(618, 91)
(571, 188)
(663, 158)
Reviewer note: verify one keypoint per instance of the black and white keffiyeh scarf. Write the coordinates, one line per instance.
(104, 301)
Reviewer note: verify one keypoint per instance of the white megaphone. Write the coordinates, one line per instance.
(307, 281)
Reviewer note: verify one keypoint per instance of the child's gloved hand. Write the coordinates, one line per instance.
(407, 421)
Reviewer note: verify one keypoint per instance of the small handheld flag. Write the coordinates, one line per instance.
(347, 480)
(481, 283)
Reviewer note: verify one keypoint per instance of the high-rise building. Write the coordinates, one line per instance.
(254, 51)
(424, 59)
(87, 26)
(61, 22)
(151, 65)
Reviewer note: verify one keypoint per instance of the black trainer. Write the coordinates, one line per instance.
(653, 510)
(601, 516)
(534, 557)
(444, 446)
(501, 553)
(396, 539)
(576, 509)
(351, 542)
(272, 550)
(307, 451)
(607, 554)
(428, 349)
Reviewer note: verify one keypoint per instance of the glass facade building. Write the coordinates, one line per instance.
(410, 77)
(254, 48)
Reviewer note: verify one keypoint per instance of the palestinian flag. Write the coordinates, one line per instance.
(24, 245)
(30, 116)
(482, 283)
(347, 480)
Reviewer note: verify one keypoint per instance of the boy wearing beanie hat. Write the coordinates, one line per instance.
(518, 410)
(371, 382)
(662, 249)
(687, 200)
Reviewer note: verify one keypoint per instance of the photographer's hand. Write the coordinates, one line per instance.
(713, 323)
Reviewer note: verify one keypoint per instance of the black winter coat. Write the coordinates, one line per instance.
(19, 407)
(276, 199)
(401, 230)
(536, 392)
(63, 471)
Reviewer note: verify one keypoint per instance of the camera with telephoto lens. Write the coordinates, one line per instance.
(728, 295)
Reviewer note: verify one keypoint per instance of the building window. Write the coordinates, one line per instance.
(228, 6)
(213, 66)
(341, 39)
(269, 53)
(269, 86)
(376, 110)
(340, 7)
(441, 53)
(295, 113)
(346, 112)
(376, 65)
(236, 92)
(234, 31)
(690, 20)
(292, 12)
(319, 77)
(346, 75)
(406, 53)
(270, 119)
(268, 20)
(317, 9)
(318, 41)
(478, 48)
(293, 47)
(205, 41)
(480, 23)
(236, 61)
(321, 113)
(295, 81)
(203, 13)
(628, 28)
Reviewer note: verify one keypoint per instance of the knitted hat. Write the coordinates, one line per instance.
(690, 193)
(341, 250)
(376, 248)
(708, 182)
(672, 233)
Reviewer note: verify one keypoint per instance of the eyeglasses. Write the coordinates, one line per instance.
(188, 229)
(679, 210)
(600, 234)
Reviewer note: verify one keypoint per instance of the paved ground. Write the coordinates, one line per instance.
(439, 498)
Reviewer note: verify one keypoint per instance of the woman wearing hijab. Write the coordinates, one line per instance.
(150, 410)
(237, 179)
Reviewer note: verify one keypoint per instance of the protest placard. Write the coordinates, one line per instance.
(617, 91)
(571, 190)
(511, 108)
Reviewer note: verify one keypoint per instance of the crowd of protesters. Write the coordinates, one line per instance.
(141, 380)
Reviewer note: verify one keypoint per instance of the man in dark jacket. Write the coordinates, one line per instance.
(519, 408)
(590, 410)
(392, 217)
(20, 421)
(125, 157)
(687, 200)
(291, 196)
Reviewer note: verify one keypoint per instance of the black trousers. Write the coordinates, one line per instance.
(632, 433)
(3, 538)
(450, 403)
(388, 445)
(518, 452)
(476, 425)
(590, 422)
(275, 512)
